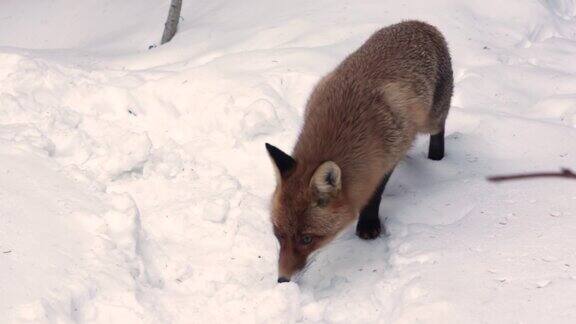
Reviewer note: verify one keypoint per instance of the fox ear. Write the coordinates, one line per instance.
(326, 182)
(283, 162)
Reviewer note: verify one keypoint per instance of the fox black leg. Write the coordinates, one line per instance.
(369, 226)
(436, 149)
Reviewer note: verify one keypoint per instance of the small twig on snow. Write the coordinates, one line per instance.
(564, 173)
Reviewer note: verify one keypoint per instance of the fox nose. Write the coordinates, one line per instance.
(283, 279)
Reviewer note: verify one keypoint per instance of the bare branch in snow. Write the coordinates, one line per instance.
(171, 25)
(564, 173)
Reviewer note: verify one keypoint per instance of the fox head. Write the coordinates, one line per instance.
(309, 208)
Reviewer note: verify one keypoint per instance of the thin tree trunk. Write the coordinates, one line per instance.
(171, 25)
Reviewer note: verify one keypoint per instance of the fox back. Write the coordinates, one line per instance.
(360, 121)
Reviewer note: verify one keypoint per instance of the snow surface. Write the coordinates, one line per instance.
(135, 183)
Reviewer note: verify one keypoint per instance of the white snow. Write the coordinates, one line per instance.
(134, 183)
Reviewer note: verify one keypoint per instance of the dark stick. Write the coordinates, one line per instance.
(564, 173)
(171, 25)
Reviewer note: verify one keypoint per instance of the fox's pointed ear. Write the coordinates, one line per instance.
(326, 182)
(283, 162)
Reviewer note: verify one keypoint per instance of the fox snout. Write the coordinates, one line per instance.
(289, 263)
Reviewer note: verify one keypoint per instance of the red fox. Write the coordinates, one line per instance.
(360, 121)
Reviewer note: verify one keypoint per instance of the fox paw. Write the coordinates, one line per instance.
(368, 229)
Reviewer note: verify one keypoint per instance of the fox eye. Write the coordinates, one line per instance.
(306, 239)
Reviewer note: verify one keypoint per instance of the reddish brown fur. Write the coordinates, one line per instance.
(363, 116)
